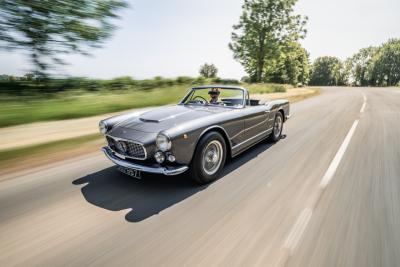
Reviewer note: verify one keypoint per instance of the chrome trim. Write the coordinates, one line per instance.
(258, 124)
(105, 125)
(158, 170)
(244, 130)
(127, 140)
(251, 138)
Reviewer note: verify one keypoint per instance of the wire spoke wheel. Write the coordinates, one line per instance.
(212, 157)
(278, 126)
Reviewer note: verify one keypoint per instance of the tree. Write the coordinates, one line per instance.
(208, 71)
(359, 66)
(385, 65)
(29, 76)
(265, 26)
(327, 71)
(50, 28)
(292, 66)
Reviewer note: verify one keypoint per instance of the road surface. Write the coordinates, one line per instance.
(326, 195)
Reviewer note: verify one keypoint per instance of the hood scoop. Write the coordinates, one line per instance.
(148, 120)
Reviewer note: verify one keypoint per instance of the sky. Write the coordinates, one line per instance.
(173, 38)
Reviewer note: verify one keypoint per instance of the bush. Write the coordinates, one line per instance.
(225, 81)
(245, 79)
(200, 81)
(265, 88)
(277, 88)
(184, 80)
(121, 83)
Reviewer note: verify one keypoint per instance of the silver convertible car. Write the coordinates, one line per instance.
(209, 125)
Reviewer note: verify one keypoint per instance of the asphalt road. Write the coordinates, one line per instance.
(326, 195)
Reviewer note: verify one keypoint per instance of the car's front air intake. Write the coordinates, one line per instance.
(127, 148)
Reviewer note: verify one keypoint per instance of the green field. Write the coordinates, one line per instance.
(16, 110)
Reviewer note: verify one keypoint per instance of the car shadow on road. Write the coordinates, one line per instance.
(115, 191)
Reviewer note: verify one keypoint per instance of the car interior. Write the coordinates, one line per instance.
(238, 101)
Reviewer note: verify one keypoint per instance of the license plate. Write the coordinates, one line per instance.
(131, 172)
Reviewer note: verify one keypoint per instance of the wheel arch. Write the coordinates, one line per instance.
(283, 114)
(223, 133)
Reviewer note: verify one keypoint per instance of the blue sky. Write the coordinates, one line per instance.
(173, 38)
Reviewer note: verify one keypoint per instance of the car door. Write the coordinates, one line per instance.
(256, 123)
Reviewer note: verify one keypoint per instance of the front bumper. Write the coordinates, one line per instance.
(169, 171)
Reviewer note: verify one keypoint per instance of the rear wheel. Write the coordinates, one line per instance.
(209, 159)
(277, 130)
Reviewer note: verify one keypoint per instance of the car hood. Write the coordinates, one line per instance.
(167, 117)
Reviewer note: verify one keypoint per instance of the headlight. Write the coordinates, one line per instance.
(103, 127)
(163, 142)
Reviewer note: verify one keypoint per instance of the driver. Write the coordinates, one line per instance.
(214, 94)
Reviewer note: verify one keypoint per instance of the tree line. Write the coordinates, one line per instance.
(266, 43)
(371, 66)
(30, 84)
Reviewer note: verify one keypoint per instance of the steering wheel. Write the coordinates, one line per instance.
(202, 98)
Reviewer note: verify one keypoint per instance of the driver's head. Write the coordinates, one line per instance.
(214, 94)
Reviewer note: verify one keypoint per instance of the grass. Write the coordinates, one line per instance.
(267, 89)
(21, 159)
(15, 110)
(32, 151)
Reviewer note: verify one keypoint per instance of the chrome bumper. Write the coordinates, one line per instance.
(158, 170)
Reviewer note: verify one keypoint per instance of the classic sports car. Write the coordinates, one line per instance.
(210, 124)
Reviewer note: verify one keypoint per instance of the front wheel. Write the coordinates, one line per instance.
(209, 159)
(278, 126)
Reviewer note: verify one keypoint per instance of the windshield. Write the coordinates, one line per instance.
(224, 97)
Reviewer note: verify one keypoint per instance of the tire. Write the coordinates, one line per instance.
(209, 158)
(276, 134)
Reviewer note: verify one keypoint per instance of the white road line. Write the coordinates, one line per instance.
(363, 107)
(298, 229)
(304, 218)
(338, 157)
(364, 104)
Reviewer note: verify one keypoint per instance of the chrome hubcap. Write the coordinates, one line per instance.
(278, 126)
(212, 157)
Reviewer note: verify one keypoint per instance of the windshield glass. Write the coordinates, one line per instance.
(215, 96)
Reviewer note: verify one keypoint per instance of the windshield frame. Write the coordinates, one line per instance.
(192, 90)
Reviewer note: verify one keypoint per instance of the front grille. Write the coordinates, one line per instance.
(127, 148)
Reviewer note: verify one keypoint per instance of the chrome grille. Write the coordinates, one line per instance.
(127, 148)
